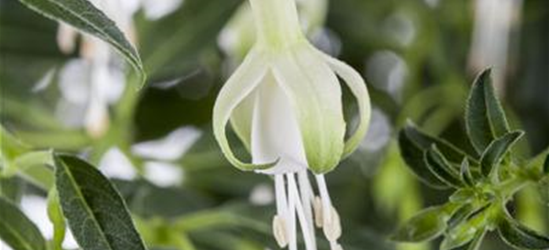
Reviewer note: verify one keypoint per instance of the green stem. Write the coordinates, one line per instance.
(277, 22)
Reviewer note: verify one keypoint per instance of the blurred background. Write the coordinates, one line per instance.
(66, 91)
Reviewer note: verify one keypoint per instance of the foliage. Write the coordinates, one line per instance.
(484, 183)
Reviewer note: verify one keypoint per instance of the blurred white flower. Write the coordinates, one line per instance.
(115, 164)
(171, 147)
(163, 174)
(262, 194)
(98, 79)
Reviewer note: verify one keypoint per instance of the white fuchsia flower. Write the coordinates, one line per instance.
(284, 103)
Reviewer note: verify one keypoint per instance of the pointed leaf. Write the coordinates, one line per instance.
(85, 17)
(413, 155)
(94, 209)
(494, 153)
(440, 167)
(484, 117)
(467, 230)
(425, 141)
(475, 243)
(16, 230)
(519, 236)
(426, 225)
(460, 215)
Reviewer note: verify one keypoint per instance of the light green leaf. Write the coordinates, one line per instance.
(56, 217)
(475, 243)
(467, 230)
(16, 230)
(495, 152)
(10, 148)
(484, 117)
(314, 94)
(94, 209)
(426, 225)
(519, 236)
(85, 17)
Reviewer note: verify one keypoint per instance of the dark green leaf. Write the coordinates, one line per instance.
(413, 155)
(465, 173)
(17, 230)
(517, 235)
(426, 225)
(85, 17)
(425, 141)
(441, 168)
(94, 209)
(484, 117)
(494, 153)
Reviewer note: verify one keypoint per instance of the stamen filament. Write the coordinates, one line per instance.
(305, 226)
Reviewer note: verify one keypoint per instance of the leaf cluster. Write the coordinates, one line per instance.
(484, 182)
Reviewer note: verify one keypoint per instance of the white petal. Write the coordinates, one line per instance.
(240, 84)
(275, 130)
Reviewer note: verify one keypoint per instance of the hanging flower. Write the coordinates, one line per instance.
(284, 103)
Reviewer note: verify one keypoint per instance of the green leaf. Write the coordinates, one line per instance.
(94, 209)
(426, 225)
(441, 168)
(467, 230)
(425, 141)
(460, 215)
(16, 230)
(85, 17)
(413, 155)
(484, 117)
(475, 243)
(56, 218)
(519, 236)
(495, 152)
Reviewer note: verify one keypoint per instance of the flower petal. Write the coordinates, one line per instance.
(315, 95)
(241, 119)
(358, 87)
(239, 86)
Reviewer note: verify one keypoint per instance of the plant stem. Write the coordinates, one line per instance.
(276, 22)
